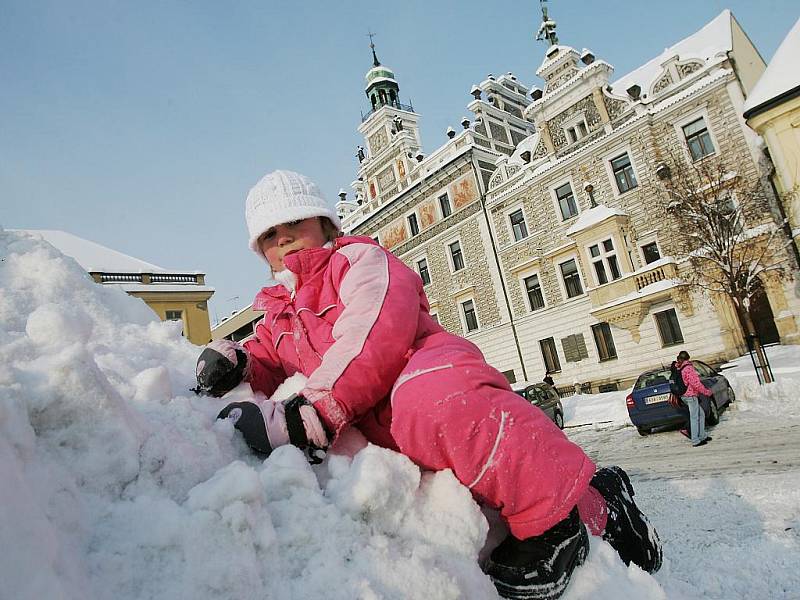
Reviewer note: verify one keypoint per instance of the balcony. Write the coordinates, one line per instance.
(395, 104)
(625, 302)
(631, 286)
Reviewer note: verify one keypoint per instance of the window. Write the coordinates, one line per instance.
(534, 291)
(623, 173)
(422, 269)
(510, 376)
(698, 139)
(470, 318)
(566, 201)
(650, 253)
(604, 341)
(456, 257)
(572, 280)
(444, 204)
(413, 225)
(669, 328)
(550, 356)
(174, 315)
(577, 131)
(518, 225)
(604, 260)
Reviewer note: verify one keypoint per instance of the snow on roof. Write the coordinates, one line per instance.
(94, 257)
(782, 75)
(714, 38)
(595, 215)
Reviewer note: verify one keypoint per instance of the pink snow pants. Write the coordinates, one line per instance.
(451, 410)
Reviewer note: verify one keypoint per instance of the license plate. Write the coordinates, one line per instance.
(656, 399)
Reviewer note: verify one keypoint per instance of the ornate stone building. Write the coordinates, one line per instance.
(539, 229)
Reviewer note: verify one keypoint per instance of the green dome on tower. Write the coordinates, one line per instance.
(379, 72)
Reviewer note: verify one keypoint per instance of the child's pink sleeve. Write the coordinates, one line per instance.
(375, 330)
(265, 372)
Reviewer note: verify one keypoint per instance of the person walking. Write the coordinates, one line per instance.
(690, 392)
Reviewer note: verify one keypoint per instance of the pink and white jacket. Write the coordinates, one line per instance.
(358, 328)
(694, 387)
(357, 316)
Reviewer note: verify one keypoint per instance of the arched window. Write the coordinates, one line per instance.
(374, 101)
(393, 96)
(382, 94)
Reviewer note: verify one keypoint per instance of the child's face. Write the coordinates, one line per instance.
(290, 237)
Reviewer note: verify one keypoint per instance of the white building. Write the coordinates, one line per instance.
(538, 229)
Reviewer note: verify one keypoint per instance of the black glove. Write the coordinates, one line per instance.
(221, 366)
(294, 419)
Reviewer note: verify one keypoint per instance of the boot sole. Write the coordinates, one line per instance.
(546, 591)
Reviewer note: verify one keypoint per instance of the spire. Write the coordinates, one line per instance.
(547, 30)
(375, 61)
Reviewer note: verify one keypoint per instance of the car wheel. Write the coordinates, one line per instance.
(731, 395)
(713, 415)
(643, 431)
(559, 420)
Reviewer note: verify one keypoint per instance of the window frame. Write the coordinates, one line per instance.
(412, 221)
(449, 254)
(689, 119)
(602, 258)
(424, 259)
(462, 315)
(179, 317)
(642, 254)
(665, 344)
(563, 283)
(573, 124)
(548, 367)
(613, 172)
(557, 201)
(523, 279)
(613, 354)
(510, 223)
(442, 198)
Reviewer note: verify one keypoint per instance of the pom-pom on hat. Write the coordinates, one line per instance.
(282, 197)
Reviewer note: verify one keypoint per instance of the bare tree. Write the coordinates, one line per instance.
(726, 227)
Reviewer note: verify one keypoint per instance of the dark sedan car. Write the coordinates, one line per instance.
(648, 405)
(545, 397)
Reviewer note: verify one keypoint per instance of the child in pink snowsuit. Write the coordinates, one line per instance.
(355, 321)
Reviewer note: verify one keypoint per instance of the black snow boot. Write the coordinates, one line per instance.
(539, 567)
(627, 530)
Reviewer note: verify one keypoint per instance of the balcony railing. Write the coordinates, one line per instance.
(628, 286)
(395, 104)
(147, 278)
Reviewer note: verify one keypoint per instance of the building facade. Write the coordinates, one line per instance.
(540, 230)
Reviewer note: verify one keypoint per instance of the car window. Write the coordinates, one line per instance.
(701, 368)
(535, 395)
(652, 378)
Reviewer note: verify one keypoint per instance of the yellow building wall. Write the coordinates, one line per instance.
(780, 128)
(193, 307)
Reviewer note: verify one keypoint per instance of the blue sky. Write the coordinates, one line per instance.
(141, 125)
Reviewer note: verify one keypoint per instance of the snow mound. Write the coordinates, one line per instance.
(118, 483)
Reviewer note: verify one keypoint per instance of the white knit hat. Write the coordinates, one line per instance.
(281, 197)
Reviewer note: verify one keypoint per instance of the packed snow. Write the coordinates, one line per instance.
(117, 482)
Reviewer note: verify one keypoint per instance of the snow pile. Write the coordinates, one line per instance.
(118, 483)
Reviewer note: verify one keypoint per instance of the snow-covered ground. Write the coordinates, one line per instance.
(117, 482)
